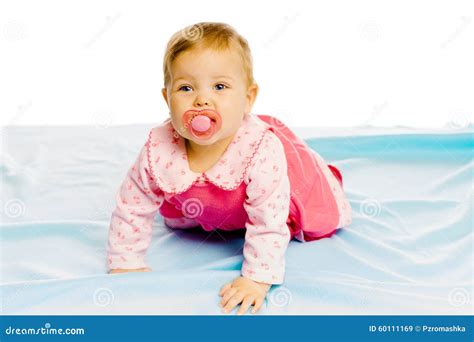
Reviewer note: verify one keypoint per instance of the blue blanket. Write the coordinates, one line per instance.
(409, 249)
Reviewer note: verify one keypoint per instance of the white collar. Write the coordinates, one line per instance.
(167, 157)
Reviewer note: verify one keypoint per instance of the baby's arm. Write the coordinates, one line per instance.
(267, 206)
(267, 235)
(138, 200)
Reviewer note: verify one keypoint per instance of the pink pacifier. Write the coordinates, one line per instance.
(202, 124)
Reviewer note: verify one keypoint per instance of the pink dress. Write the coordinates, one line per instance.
(268, 182)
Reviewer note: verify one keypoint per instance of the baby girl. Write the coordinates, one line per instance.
(214, 165)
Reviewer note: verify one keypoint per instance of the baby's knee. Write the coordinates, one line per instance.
(180, 222)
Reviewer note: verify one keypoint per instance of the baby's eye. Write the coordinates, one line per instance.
(185, 88)
(220, 86)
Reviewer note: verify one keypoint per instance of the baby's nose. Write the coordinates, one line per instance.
(202, 100)
(202, 103)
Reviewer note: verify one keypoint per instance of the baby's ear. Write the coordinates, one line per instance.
(252, 93)
(164, 92)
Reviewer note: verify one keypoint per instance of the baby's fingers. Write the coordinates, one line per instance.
(120, 270)
(235, 300)
(229, 293)
(245, 305)
(258, 304)
(224, 288)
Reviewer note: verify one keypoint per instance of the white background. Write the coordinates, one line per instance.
(334, 63)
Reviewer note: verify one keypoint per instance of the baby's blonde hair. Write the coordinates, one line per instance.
(218, 36)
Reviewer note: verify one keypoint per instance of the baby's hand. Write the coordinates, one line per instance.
(121, 270)
(245, 291)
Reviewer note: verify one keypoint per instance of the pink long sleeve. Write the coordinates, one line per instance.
(267, 206)
(138, 200)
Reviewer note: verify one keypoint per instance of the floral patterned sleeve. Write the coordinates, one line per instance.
(130, 231)
(267, 205)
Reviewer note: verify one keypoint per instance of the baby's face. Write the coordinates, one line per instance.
(209, 79)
